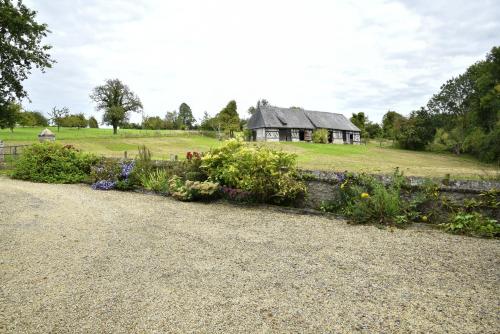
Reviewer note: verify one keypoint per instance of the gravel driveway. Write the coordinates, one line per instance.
(84, 261)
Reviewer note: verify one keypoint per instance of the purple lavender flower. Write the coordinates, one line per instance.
(127, 169)
(104, 185)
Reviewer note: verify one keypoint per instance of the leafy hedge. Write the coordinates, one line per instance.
(53, 163)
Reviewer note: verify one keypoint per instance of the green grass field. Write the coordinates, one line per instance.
(370, 158)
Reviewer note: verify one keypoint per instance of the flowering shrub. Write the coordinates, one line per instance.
(111, 174)
(192, 190)
(193, 155)
(127, 168)
(105, 170)
(104, 185)
(270, 175)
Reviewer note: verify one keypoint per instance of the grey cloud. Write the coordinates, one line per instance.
(440, 40)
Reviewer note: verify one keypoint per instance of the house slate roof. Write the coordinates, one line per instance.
(288, 118)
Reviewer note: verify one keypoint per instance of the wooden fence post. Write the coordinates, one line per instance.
(1, 151)
(125, 154)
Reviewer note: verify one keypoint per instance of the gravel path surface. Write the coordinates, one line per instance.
(84, 261)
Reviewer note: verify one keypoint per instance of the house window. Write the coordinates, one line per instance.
(337, 134)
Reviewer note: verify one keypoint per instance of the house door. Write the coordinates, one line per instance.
(351, 138)
(285, 135)
(254, 135)
(330, 136)
(301, 135)
(344, 136)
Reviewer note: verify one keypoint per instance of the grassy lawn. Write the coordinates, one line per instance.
(369, 158)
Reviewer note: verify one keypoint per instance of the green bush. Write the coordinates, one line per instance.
(320, 136)
(484, 146)
(53, 163)
(156, 181)
(143, 165)
(270, 175)
(382, 206)
(365, 199)
(473, 224)
(192, 190)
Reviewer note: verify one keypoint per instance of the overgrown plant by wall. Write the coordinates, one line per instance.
(365, 199)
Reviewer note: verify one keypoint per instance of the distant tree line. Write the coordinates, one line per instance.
(13, 115)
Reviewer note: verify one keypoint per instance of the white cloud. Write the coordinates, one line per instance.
(327, 55)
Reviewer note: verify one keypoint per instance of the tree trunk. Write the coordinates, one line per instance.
(115, 127)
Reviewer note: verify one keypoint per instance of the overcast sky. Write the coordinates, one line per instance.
(336, 56)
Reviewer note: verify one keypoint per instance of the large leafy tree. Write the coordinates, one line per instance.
(93, 123)
(229, 119)
(417, 131)
(373, 130)
(21, 48)
(391, 124)
(185, 116)
(454, 98)
(360, 120)
(116, 100)
(487, 86)
(9, 115)
(153, 123)
(208, 122)
(172, 120)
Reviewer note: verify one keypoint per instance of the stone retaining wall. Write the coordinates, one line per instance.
(320, 186)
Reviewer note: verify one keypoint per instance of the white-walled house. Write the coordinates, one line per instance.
(271, 123)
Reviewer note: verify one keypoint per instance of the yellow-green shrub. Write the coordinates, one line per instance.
(320, 136)
(270, 175)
